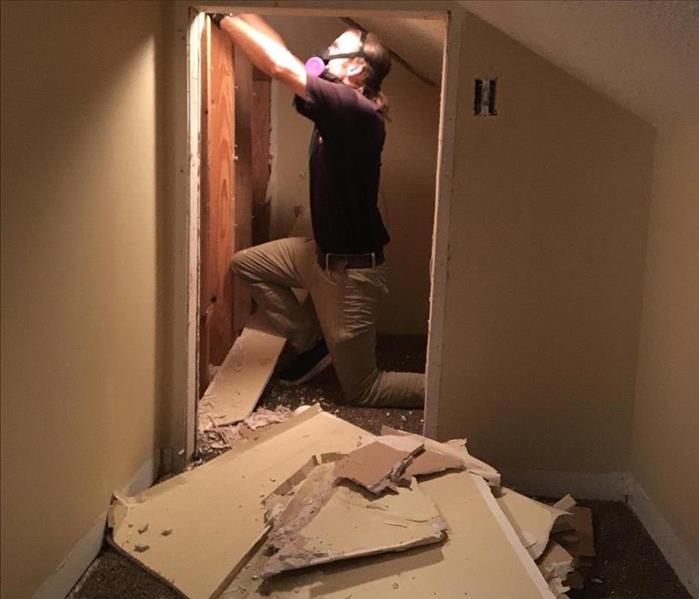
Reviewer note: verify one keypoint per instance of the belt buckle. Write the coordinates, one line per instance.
(328, 259)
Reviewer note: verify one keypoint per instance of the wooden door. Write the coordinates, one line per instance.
(226, 205)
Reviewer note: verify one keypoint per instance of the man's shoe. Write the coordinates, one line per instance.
(307, 365)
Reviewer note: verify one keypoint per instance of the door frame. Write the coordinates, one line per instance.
(189, 20)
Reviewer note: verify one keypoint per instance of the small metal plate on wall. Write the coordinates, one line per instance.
(484, 97)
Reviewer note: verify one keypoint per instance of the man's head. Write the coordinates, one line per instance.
(363, 63)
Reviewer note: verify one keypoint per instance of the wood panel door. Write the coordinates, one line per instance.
(226, 206)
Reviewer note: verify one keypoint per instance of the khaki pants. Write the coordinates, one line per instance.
(344, 308)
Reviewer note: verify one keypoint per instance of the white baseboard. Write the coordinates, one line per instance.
(581, 485)
(60, 583)
(674, 550)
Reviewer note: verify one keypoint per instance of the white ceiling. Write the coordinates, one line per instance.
(643, 54)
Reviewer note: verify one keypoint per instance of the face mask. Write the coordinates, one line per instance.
(317, 65)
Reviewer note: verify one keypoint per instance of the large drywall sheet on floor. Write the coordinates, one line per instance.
(239, 382)
(546, 250)
(85, 311)
(666, 414)
(212, 516)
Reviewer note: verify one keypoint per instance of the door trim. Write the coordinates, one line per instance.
(187, 89)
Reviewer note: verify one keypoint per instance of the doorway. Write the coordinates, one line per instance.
(278, 199)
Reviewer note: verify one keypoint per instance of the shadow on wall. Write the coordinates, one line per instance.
(83, 267)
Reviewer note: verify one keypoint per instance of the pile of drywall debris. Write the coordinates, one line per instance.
(559, 537)
(312, 506)
(219, 437)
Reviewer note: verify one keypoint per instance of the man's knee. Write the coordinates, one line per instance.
(239, 264)
(358, 392)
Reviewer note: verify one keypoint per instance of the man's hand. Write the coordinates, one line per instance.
(218, 17)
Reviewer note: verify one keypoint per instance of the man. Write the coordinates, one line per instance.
(343, 266)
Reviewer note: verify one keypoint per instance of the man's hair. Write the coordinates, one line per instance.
(378, 63)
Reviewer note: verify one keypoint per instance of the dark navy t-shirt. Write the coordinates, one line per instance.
(344, 164)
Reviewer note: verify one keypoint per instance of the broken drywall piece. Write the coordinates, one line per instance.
(326, 522)
(565, 503)
(532, 520)
(302, 503)
(432, 462)
(578, 536)
(239, 382)
(216, 510)
(481, 558)
(555, 562)
(558, 588)
(426, 461)
(377, 466)
(455, 448)
(264, 417)
(218, 438)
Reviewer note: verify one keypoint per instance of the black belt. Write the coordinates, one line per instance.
(331, 261)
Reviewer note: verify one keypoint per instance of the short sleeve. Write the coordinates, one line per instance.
(332, 105)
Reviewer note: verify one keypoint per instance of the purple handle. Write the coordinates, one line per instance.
(315, 66)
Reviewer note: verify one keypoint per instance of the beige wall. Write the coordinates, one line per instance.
(81, 248)
(407, 181)
(546, 253)
(666, 412)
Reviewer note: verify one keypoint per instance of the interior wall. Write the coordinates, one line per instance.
(84, 233)
(666, 411)
(547, 238)
(407, 181)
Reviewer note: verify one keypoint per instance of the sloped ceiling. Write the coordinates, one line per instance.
(643, 54)
(419, 42)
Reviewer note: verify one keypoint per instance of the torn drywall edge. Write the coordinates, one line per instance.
(504, 524)
(278, 499)
(295, 479)
(301, 541)
(376, 466)
(438, 536)
(471, 463)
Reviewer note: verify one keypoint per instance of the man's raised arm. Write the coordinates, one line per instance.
(265, 49)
